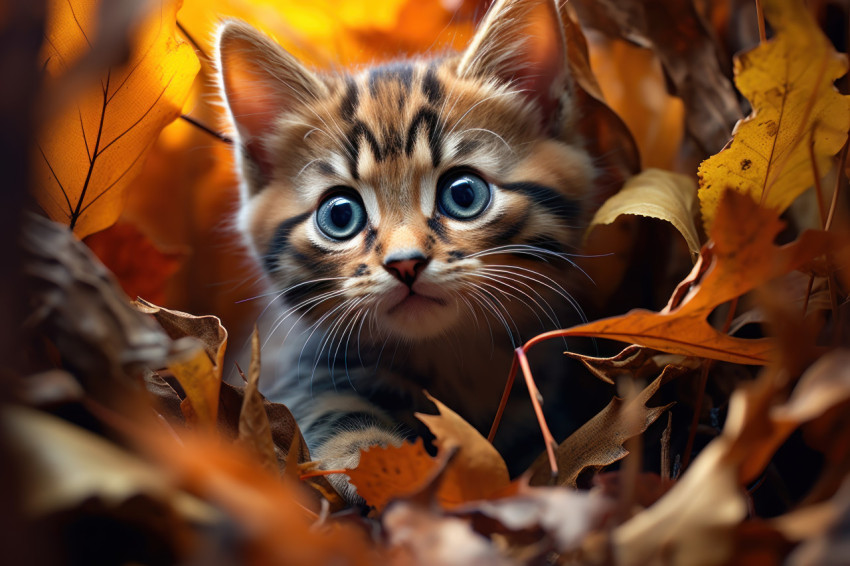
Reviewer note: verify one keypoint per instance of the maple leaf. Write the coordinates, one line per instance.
(89, 152)
(798, 115)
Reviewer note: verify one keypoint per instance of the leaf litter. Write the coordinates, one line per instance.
(133, 423)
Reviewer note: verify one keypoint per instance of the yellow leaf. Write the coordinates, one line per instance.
(789, 82)
(89, 152)
(477, 471)
(656, 193)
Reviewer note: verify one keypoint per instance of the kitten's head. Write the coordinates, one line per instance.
(416, 193)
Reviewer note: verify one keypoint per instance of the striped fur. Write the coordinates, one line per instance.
(502, 110)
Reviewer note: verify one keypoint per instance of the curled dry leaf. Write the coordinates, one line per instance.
(797, 114)
(254, 429)
(636, 362)
(91, 150)
(741, 257)
(656, 194)
(599, 442)
(197, 369)
(693, 521)
(81, 308)
(688, 52)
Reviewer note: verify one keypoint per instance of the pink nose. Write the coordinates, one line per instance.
(406, 266)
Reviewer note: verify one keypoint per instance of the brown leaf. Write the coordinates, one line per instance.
(254, 429)
(599, 442)
(683, 43)
(177, 324)
(477, 471)
(633, 361)
(81, 308)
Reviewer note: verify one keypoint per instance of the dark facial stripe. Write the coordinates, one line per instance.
(427, 117)
(431, 87)
(466, 147)
(546, 243)
(437, 227)
(359, 132)
(370, 238)
(566, 209)
(280, 241)
(507, 231)
(348, 106)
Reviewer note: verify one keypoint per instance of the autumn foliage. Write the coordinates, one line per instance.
(720, 256)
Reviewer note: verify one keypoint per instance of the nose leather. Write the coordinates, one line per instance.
(406, 265)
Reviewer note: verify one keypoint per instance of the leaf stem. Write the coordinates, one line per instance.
(509, 384)
(534, 393)
(760, 18)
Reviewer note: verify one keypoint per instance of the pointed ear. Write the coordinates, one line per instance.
(521, 42)
(259, 81)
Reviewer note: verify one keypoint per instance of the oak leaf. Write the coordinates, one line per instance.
(599, 442)
(740, 257)
(798, 115)
(90, 150)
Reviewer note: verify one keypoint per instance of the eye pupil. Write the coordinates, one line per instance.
(341, 213)
(341, 216)
(463, 194)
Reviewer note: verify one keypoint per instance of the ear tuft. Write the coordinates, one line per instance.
(259, 81)
(521, 42)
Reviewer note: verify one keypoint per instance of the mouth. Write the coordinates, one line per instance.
(416, 302)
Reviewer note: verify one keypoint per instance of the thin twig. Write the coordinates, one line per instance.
(203, 127)
(838, 178)
(191, 40)
(760, 18)
(503, 402)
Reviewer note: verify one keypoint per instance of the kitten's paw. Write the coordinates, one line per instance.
(341, 451)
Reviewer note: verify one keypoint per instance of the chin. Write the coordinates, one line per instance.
(419, 318)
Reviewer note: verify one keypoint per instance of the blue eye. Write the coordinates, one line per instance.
(341, 216)
(463, 195)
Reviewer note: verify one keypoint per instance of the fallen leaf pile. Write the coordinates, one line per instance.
(722, 282)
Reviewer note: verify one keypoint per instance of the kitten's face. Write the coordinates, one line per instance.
(418, 195)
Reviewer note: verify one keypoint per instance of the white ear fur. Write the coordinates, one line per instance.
(259, 81)
(521, 42)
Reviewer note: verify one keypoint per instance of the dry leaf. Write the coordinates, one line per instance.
(656, 194)
(477, 471)
(78, 304)
(599, 442)
(198, 370)
(741, 257)
(392, 472)
(66, 465)
(141, 267)
(789, 82)
(91, 150)
(683, 43)
(254, 429)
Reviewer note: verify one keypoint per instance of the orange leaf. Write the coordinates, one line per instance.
(142, 269)
(394, 472)
(477, 471)
(740, 258)
(90, 150)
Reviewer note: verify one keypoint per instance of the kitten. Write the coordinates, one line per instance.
(417, 217)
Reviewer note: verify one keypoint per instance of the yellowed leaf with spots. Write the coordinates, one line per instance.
(94, 146)
(796, 112)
